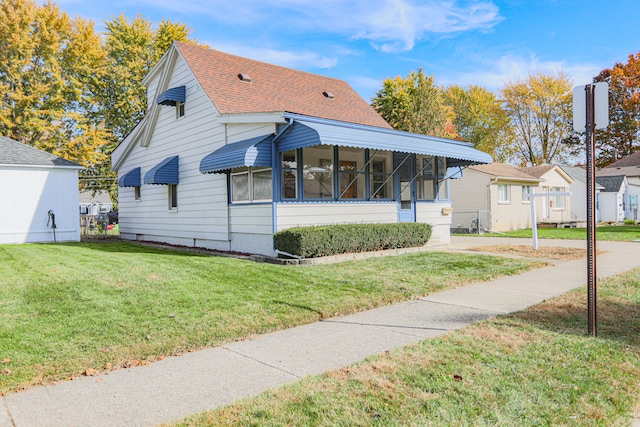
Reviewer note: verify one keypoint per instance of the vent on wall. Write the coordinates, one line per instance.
(328, 95)
(244, 77)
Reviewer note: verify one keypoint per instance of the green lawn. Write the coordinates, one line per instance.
(533, 368)
(624, 233)
(66, 308)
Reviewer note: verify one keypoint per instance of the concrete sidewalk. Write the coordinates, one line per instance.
(171, 389)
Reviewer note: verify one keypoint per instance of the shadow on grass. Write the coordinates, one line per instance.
(118, 246)
(320, 314)
(617, 319)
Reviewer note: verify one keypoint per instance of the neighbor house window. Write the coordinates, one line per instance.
(173, 196)
(250, 185)
(179, 109)
(527, 190)
(504, 193)
(317, 175)
(136, 192)
(558, 201)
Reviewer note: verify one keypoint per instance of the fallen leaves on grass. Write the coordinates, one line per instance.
(559, 253)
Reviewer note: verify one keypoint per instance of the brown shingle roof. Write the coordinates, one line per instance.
(274, 88)
(504, 170)
(537, 171)
(630, 160)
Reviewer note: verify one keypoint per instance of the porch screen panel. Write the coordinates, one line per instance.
(381, 167)
(317, 174)
(427, 179)
(289, 174)
(352, 176)
(443, 184)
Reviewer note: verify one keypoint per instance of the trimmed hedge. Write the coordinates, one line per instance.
(324, 240)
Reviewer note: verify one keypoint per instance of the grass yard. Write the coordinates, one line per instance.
(73, 309)
(625, 233)
(533, 368)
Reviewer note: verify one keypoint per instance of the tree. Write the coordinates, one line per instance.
(132, 48)
(540, 109)
(414, 104)
(49, 68)
(480, 120)
(622, 137)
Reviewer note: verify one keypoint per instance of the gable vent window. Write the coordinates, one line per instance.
(328, 95)
(244, 77)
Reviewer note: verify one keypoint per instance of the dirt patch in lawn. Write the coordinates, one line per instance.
(559, 253)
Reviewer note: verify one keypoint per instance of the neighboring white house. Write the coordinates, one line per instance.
(497, 197)
(579, 193)
(95, 203)
(34, 185)
(630, 168)
(232, 150)
(611, 199)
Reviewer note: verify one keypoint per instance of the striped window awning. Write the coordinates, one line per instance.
(164, 173)
(246, 153)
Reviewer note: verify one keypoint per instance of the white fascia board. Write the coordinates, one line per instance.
(272, 117)
(51, 167)
(122, 151)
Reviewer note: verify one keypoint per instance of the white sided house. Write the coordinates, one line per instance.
(34, 185)
(497, 197)
(232, 150)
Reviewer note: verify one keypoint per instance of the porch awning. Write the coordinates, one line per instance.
(164, 173)
(307, 132)
(171, 96)
(249, 152)
(130, 179)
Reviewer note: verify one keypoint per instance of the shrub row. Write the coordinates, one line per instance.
(324, 240)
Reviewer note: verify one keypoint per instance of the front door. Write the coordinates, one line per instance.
(405, 186)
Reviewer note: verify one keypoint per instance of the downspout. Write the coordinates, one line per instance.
(275, 172)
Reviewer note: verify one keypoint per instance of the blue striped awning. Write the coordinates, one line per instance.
(130, 179)
(306, 132)
(164, 173)
(249, 152)
(173, 95)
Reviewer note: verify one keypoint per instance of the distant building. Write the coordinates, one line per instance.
(95, 203)
(36, 189)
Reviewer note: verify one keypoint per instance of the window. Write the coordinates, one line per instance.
(136, 192)
(317, 175)
(504, 193)
(427, 178)
(558, 201)
(173, 196)
(289, 174)
(443, 184)
(527, 190)
(351, 177)
(250, 185)
(381, 168)
(179, 109)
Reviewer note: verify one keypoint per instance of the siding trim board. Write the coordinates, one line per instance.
(164, 173)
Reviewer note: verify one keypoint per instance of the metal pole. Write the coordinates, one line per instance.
(591, 220)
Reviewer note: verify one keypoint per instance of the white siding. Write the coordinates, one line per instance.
(297, 215)
(201, 218)
(468, 195)
(27, 195)
(436, 215)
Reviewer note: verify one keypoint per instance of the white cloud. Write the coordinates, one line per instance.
(299, 59)
(509, 68)
(390, 25)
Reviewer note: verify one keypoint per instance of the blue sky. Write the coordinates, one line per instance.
(463, 42)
